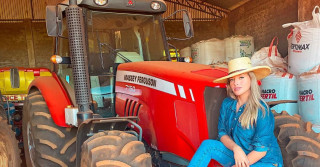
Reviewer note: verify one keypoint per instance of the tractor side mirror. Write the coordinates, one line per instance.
(54, 21)
(187, 23)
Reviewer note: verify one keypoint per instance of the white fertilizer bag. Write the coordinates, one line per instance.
(304, 45)
(269, 56)
(185, 52)
(220, 65)
(280, 86)
(238, 46)
(309, 95)
(208, 52)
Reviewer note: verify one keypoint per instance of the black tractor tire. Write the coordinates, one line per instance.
(9, 151)
(45, 143)
(114, 149)
(300, 145)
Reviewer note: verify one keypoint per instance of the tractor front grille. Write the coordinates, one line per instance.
(132, 108)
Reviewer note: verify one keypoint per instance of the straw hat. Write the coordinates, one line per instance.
(243, 65)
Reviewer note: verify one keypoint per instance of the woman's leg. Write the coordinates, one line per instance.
(262, 164)
(212, 149)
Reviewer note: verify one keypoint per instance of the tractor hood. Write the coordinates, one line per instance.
(177, 71)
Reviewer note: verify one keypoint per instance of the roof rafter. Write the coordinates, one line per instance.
(202, 6)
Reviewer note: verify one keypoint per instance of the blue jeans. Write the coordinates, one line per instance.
(213, 149)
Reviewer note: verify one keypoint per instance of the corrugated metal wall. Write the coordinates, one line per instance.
(39, 8)
(18, 10)
(15, 9)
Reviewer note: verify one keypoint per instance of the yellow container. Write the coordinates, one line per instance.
(173, 55)
(26, 77)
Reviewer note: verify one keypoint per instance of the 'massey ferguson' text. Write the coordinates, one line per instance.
(141, 80)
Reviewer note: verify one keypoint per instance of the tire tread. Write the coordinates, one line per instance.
(54, 145)
(299, 144)
(114, 148)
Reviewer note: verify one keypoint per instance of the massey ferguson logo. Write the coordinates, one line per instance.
(298, 36)
(141, 80)
(269, 94)
(306, 95)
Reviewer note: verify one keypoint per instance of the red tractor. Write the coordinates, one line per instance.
(110, 99)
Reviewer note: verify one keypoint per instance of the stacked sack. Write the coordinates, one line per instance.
(304, 60)
(208, 52)
(304, 44)
(270, 56)
(309, 96)
(279, 85)
(217, 52)
(185, 52)
(239, 46)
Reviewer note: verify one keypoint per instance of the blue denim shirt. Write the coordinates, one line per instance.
(259, 138)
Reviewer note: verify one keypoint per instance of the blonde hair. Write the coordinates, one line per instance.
(250, 113)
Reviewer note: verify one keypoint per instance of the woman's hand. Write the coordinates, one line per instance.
(241, 159)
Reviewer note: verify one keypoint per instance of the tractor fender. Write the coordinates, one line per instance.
(55, 95)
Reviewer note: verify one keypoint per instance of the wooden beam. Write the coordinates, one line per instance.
(29, 40)
(238, 4)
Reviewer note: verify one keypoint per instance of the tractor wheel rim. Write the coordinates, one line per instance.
(31, 146)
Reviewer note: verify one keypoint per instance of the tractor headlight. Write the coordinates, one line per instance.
(184, 59)
(100, 2)
(155, 5)
(188, 59)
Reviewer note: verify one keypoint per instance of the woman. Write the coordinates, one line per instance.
(246, 124)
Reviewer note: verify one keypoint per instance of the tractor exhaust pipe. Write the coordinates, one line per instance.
(72, 2)
(78, 56)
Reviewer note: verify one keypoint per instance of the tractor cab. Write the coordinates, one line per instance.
(115, 31)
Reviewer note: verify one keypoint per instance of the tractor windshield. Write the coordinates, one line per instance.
(113, 38)
(119, 38)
